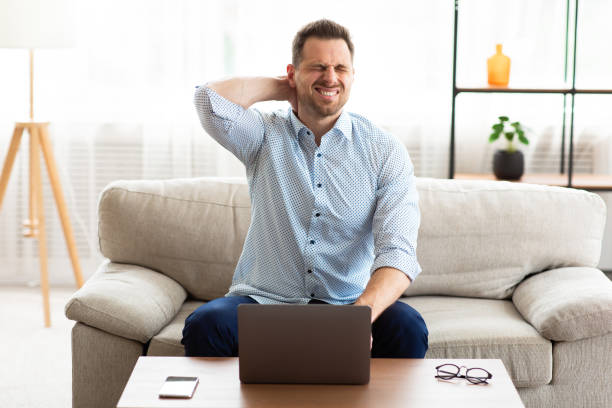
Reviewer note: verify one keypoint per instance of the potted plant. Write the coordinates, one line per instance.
(508, 163)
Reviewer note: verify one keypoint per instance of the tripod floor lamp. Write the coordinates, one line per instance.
(35, 24)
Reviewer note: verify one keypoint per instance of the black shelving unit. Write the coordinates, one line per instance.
(571, 91)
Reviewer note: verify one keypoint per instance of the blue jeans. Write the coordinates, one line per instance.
(212, 330)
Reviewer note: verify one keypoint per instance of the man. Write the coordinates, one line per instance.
(333, 200)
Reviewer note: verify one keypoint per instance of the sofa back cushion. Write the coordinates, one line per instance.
(481, 238)
(192, 230)
(477, 238)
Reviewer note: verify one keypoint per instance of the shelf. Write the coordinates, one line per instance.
(594, 91)
(560, 87)
(593, 182)
(501, 89)
(505, 89)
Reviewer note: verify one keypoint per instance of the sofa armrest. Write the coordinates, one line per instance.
(126, 300)
(567, 304)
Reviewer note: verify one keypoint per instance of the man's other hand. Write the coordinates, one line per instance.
(360, 302)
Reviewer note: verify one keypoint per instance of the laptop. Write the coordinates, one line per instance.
(304, 344)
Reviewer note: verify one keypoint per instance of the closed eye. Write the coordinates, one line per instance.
(319, 67)
(337, 68)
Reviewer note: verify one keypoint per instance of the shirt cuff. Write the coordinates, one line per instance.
(400, 260)
(222, 107)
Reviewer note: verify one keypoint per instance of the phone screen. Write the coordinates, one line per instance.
(178, 387)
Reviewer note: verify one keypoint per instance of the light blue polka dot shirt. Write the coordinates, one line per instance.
(323, 218)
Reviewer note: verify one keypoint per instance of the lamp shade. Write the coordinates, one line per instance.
(37, 23)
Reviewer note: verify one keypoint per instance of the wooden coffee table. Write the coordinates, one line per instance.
(394, 383)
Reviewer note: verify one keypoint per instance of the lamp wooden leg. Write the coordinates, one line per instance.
(61, 204)
(39, 140)
(30, 224)
(36, 185)
(10, 159)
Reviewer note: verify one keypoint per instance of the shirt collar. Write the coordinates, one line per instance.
(343, 124)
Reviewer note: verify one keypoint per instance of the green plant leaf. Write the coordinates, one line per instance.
(523, 139)
(509, 136)
(503, 118)
(493, 137)
(498, 127)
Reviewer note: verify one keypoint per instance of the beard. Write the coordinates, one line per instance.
(322, 108)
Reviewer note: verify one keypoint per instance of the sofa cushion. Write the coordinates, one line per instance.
(481, 238)
(168, 341)
(567, 304)
(458, 328)
(189, 229)
(126, 300)
(485, 328)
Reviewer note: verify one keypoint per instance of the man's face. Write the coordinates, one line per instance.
(324, 77)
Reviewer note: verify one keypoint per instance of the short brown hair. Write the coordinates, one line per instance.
(325, 29)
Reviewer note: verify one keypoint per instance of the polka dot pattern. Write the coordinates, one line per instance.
(323, 218)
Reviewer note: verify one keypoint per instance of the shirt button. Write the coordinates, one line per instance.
(308, 132)
(312, 241)
(318, 154)
(319, 185)
(309, 271)
(317, 214)
(312, 295)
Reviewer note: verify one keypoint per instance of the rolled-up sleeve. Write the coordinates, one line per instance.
(239, 130)
(396, 219)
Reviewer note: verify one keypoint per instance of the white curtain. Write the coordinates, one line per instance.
(120, 103)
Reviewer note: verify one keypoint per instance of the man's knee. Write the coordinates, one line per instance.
(407, 319)
(401, 331)
(211, 330)
(198, 328)
(202, 320)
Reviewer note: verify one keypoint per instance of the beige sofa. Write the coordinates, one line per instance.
(509, 272)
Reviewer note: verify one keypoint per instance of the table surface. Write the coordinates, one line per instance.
(394, 383)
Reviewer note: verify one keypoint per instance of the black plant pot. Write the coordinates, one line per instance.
(508, 165)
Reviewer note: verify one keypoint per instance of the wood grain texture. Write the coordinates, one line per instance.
(394, 383)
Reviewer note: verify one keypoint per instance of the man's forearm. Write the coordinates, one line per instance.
(385, 286)
(245, 91)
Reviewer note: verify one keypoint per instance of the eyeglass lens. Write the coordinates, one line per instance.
(448, 371)
(476, 375)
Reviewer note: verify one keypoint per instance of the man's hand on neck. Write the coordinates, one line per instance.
(246, 91)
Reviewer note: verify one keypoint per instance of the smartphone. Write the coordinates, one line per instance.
(178, 387)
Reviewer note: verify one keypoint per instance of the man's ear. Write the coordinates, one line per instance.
(291, 75)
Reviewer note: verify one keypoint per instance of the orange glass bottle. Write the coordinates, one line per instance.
(498, 67)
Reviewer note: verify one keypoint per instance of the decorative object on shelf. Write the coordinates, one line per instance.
(33, 24)
(591, 182)
(508, 164)
(498, 67)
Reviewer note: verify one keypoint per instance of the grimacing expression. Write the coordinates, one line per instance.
(324, 76)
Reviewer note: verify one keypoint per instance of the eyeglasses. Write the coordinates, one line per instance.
(473, 375)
